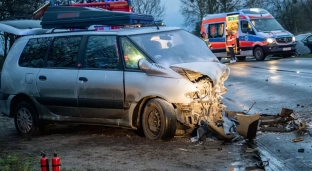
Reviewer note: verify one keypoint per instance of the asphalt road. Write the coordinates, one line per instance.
(273, 84)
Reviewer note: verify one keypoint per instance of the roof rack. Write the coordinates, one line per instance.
(84, 17)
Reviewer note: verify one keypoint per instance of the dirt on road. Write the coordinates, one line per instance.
(94, 148)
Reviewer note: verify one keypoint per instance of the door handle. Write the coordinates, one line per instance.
(84, 79)
(42, 78)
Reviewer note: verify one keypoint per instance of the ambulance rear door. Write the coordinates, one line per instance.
(246, 38)
(216, 35)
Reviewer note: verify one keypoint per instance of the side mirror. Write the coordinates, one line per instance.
(144, 64)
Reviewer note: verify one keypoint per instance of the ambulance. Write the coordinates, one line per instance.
(257, 33)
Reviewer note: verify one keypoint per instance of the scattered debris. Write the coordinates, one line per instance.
(266, 79)
(285, 112)
(301, 150)
(310, 131)
(250, 150)
(297, 139)
(298, 104)
(250, 107)
(182, 149)
(230, 85)
(276, 123)
(262, 164)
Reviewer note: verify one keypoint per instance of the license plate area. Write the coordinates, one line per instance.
(287, 49)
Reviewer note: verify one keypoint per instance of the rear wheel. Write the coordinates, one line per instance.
(25, 119)
(259, 54)
(241, 58)
(159, 120)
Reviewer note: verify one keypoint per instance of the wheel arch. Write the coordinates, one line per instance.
(139, 108)
(19, 98)
(255, 46)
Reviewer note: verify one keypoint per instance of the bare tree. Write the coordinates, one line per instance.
(194, 11)
(151, 7)
(229, 5)
(15, 9)
(254, 3)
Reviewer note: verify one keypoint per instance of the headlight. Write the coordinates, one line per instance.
(293, 39)
(270, 40)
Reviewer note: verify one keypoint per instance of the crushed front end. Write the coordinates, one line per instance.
(205, 103)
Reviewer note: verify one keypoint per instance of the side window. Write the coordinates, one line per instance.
(215, 30)
(64, 52)
(131, 54)
(309, 39)
(34, 52)
(101, 52)
(245, 26)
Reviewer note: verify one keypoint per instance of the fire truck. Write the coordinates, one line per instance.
(117, 5)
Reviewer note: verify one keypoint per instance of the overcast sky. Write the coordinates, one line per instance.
(173, 16)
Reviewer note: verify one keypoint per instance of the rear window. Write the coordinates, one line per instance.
(34, 52)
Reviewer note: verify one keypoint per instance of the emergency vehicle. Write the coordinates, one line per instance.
(257, 33)
(117, 5)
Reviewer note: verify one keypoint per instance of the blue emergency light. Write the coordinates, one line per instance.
(83, 17)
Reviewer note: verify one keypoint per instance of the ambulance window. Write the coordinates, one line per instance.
(245, 26)
(215, 30)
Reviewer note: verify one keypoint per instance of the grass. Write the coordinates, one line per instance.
(305, 56)
(15, 163)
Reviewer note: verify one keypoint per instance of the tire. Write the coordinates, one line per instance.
(259, 54)
(159, 120)
(26, 112)
(241, 58)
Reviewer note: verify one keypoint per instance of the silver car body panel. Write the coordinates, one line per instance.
(115, 97)
(102, 95)
(58, 91)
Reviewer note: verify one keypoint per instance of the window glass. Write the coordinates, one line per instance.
(101, 52)
(310, 39)
(215, 30)
(34, 52)
(131, 54)
(245, 26)
(174, 47)
(64, 52)
(266, 24)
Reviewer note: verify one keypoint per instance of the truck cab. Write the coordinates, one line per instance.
(257, 33)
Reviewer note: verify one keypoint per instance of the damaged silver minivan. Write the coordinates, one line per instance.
(162, 80)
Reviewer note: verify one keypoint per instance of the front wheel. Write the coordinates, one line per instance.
(259, 54)
(159, 120)
(25, 119)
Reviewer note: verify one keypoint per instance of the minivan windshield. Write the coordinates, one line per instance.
(266, 24)
(174, 47)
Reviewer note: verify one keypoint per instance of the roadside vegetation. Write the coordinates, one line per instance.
(305, 56)
(16, 163)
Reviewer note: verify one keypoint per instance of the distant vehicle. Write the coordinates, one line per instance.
(306, 39)
(163, 80)
(258, 34)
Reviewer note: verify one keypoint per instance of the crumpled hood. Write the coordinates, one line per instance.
(274, 34)
(213, 70)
